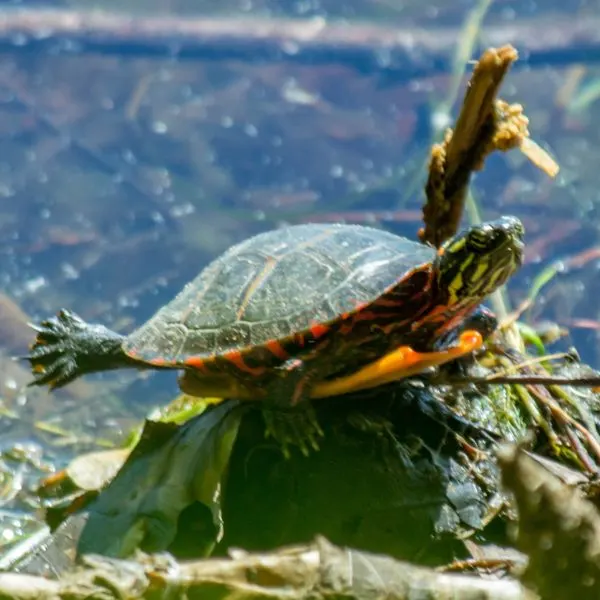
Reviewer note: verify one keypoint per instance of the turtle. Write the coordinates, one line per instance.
(304, 312)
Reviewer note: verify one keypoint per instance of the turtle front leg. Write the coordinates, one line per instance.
(398, 364)
(295, 427)
(289, 415)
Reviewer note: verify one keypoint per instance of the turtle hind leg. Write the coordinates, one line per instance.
(398, 364)
(290, 417)
(297, 426)
(67, 347)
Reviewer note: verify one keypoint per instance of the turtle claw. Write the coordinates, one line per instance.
(50, 359)
(297, 427)
(52, 333)
(43, 351)
(57, 374)
(64, 323)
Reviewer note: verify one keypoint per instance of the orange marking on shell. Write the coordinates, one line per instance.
(159, 362)
(365, 315)
(276, 349)
(318, 330)
(300, 340)
(450, 322)
(236, 357)
(132, 354)
(388, 303)
(358, 304)
(196, 363)
(346, 328)
(387, 329)
(436, 315)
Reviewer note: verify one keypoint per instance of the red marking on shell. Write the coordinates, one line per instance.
(318, 330)
(236, 357)
(388, 303)
(196, 363)
(451, 322)
(437, 314)
(390, 327)
(365, 315)
(346, 328)
(358, 305)
(276, 349)
(159, 362)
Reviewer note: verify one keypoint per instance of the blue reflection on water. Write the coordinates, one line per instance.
(125, 176)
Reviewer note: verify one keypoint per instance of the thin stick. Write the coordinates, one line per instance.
(526, 380)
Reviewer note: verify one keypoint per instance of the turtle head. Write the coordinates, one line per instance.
(479, 260)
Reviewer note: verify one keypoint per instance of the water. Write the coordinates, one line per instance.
(123, 173)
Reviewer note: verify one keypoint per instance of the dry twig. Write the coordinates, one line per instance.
(319, 570)
(484, 125)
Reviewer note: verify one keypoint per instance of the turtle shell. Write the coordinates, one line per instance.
(283, 285)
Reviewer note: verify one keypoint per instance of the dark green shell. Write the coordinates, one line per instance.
(276, 284)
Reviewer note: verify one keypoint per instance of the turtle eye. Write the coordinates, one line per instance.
(485, 238)
(490, 236)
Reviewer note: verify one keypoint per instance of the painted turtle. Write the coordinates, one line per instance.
(307, 311)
